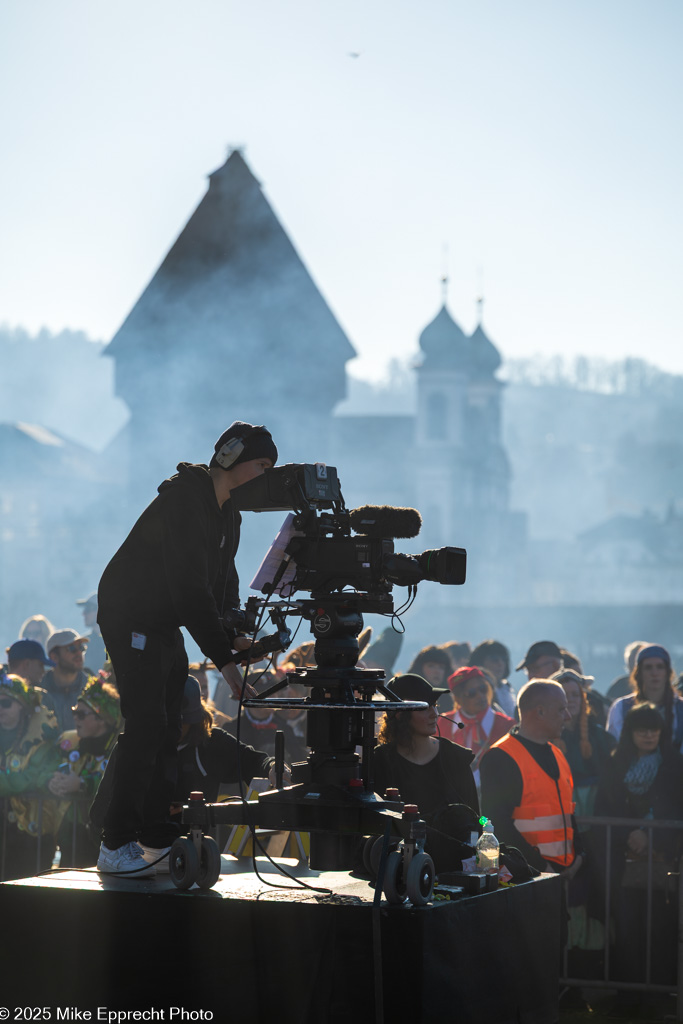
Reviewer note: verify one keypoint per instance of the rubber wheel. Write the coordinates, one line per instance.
(183, 863)
(420, 879)
(367, 855)
(209, 863)
(394, 887)
(375, 852)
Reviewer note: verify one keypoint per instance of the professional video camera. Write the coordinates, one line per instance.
(327, 557)
(347, 562)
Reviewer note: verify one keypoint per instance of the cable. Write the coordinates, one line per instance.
(245, 803)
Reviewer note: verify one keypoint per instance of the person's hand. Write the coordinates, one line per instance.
(233, 678)
(286, 777)
(62, 785)
(637, 841)
(242, 642)
(569, 872)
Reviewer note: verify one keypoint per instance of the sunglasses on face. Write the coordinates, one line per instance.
(483, 688)
(74, 648)
(80, 715)
(7, 702)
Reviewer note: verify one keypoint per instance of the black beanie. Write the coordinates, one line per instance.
(192, 709)
(258, 443)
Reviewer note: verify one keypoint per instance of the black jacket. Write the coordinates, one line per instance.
(447, 779)
(176, 567)
(662, 801)
(220, 760)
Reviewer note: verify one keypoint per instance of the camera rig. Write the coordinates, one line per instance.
(347, 563)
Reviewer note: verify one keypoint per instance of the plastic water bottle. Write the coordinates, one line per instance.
(488, 850)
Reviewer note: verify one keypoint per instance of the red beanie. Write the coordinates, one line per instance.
(464, 675)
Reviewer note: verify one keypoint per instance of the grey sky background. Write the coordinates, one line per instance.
(532, 150)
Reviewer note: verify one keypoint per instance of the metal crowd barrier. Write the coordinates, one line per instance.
(649, 826)
(33, 864)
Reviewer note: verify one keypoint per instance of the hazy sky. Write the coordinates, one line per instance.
(539, 141)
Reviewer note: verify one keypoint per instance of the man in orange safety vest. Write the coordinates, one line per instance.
(526, 783)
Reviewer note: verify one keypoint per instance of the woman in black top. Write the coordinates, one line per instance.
(643, 779)
(427, 770)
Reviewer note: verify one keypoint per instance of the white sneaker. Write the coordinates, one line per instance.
(156, 856)
(127, 860)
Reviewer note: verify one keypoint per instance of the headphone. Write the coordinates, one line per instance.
(228, 454)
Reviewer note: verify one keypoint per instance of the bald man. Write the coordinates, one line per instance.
(526, 783)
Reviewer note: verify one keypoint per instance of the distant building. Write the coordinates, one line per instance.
(448, 459)
(49, 487)
(231, 326)
(635, 559)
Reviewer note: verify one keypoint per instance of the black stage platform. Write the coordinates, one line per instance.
(247, 952)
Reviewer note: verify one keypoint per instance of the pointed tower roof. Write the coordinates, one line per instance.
(485, 356)
(233, 281)
(444, 343)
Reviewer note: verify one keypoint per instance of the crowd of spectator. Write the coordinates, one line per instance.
(478, 745)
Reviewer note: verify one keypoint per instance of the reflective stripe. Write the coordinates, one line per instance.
(550, 850)
(547, 824)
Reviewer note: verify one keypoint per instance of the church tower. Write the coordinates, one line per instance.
(462, 469)
(441, 424)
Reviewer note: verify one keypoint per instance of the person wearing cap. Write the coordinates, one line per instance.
(176, 568)
(541, 660)
(28, 758)
(621, 687)
(85, 754)
(96, 654)
(26, 658)
(67, 680)
(652, 680)
(527, 785)
(427, 769)
(473, 723)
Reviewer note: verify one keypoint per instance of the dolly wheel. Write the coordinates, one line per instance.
(373, 851)
(367, 855)
(394, 887)
(420, 879)
(183, 863)
(209, 863)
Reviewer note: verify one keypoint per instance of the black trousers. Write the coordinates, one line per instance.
(150, 682)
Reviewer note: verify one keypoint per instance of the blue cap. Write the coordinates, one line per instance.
(22, 649)
(653, 651)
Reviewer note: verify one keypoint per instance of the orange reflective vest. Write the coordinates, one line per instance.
(544, 813)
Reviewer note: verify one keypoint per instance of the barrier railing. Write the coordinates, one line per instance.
(673, 893)
(34, 862)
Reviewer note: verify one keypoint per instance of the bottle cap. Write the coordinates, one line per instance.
(392, 793)
(355, 783)
(196, 795)
(410, 809)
